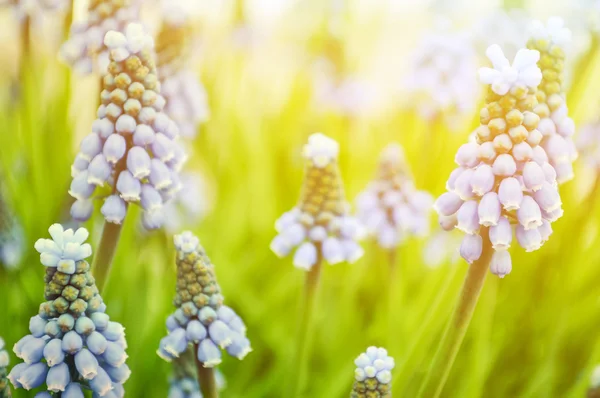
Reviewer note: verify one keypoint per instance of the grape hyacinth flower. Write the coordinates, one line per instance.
(73, 346)
(319, 225)
(85, 50)
(504, 179)
(201, 319)
(184, 382)
(391, 207)
(504, 182)
(594, 390)
(11, 237)
(555, 125)
(373, 374)
(186, 99)
(442, 74)
(4, 362)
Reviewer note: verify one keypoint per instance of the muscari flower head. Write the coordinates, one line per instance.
(85, 50)
(132, 148)
(373, 374)
(11, 238)
(184, 381)
(73, 346)
(504, 181)
(4, 362)
(201, 318)
(391, 207)
(442, 74)
(555, 125)
(319, 225)
(185, 95)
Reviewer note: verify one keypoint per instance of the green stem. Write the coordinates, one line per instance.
(105, 253)
(206, 378)
(393, 269)
(459, 323)
(305, 327)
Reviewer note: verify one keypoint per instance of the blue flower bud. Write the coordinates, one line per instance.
(80, 164)
(143, 135)
(150, 198)
(43, 394)
(118, 374)
(114, 209)
(33, 350)
(37, 326)
(100, 320)
(73, 390)
(195, 331)
(21, 343)
(98, 171)
(96, 343)
(237, 325)
(162, 147)
(114, 148)
(114, 355)
(208, 353)
(80, 188)
(176, 342)
(33, 376)
(220, 333)
(239, 347)
(153, 219)
(129, 187)
(86, 364)
(114, 331)
(104, 127)
(101, 383)
(72, 343)
(84, 325)
(160, 175)
(52, 329)
(207, 315)
(82, 210)
(162, 352)
(66, 322)
(15, 374)
(66, 266)
(53, 352)
(90, 146)
(125, 124)
(225, 314)
(172, 323)
(58, 377)
(138, 162)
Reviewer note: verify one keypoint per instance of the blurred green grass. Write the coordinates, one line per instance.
(534, 334)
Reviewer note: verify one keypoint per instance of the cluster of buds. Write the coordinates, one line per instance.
(201, 318)
(184, 382)
(373, 374)
(555, 125)
(73, 345)
(132, 147)
(504, 178)
(4, 362)
(187, 102)
(391, 207)
(85, 49)
(442, 74)
(319, 224)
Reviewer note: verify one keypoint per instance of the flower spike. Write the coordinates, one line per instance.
(373, 374)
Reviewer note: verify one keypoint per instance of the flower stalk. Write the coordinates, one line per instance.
(105, 253)
(458, 325)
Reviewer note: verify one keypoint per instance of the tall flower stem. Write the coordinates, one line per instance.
(459, 323)
(392, 255)
(206, 378)
(105, 253)
(305, 327)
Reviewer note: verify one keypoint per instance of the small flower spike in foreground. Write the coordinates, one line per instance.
(184, 382)
(321, 228)
(201, 318)
(4, 387)
(73, 346)
(373, 374)
(391, 207)
(85, 50)
(594, 390)
(131, 154)
(555, 125)
(503, 181)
